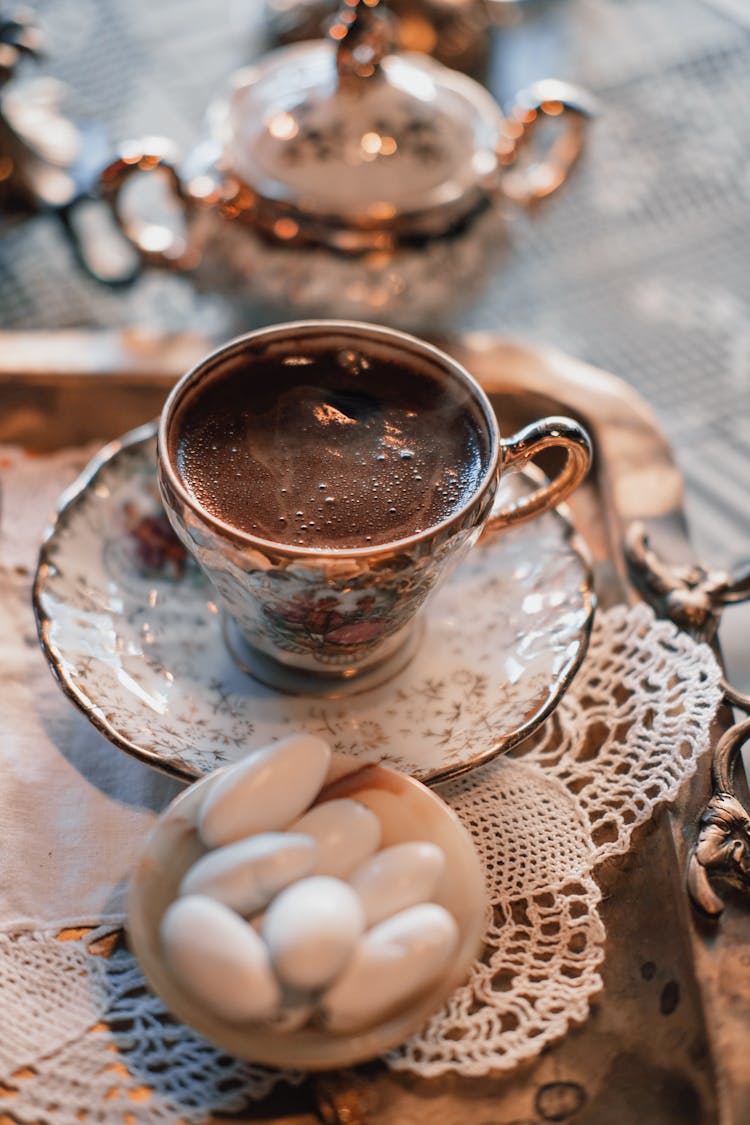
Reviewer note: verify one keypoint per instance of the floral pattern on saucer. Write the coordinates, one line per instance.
(132, 632)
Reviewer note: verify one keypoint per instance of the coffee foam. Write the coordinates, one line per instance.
(329, 447)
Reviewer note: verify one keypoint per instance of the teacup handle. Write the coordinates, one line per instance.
(155, 244)
(546, 99)
(517, 451)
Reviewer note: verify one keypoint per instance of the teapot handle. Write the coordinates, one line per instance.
(155, 244)
(546, 99)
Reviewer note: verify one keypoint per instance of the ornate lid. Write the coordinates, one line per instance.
(340, 140)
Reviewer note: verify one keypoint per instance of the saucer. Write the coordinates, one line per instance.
(133, 634)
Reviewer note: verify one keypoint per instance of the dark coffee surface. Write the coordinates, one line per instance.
(327, 449)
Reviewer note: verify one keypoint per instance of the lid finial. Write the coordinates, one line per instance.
(364, 34)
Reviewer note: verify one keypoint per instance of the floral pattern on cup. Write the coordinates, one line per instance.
(325, 612)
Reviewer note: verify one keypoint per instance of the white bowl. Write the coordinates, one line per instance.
(407, 811)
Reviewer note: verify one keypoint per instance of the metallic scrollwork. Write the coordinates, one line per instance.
(690, 595)
(694, 598)
(722, 850)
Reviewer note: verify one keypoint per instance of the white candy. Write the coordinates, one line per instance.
(219, 959)
(392, 963)
(265, 791)
(345, 831)
(397, 877)
(311, 929)
(247, 874)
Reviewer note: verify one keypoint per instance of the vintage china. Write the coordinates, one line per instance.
(407, 811)
(346, 616)
(343, 178)
(130, 629)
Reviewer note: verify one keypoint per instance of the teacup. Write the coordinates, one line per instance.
(327, 475)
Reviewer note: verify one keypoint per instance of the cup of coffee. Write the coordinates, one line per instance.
(326, 475)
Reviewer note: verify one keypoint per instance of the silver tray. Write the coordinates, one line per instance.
(665, 1043)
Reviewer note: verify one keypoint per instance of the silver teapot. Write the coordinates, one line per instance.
(342, 178)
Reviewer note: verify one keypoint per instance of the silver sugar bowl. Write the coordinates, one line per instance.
(343, 178)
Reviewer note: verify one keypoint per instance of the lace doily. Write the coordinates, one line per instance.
(82, 1029)
(622, 741)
